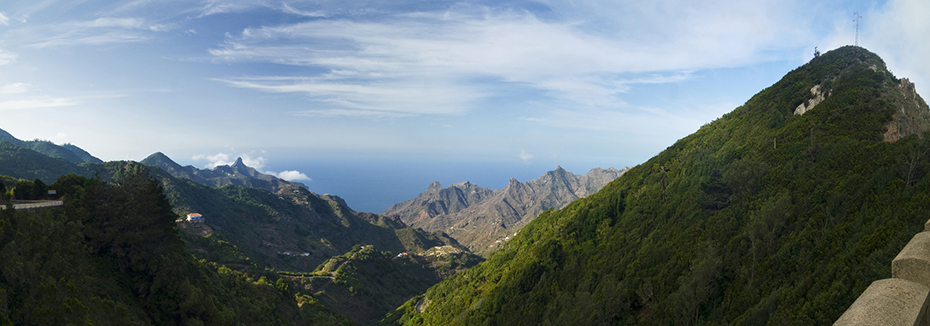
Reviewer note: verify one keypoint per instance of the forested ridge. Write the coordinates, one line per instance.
(112, 256)
(248, 230)
(760, 217)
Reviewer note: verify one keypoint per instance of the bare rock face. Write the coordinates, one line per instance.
(912, 115)
(484, 219)
(819, 96)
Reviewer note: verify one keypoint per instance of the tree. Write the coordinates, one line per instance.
(39, 189)
(23, 190)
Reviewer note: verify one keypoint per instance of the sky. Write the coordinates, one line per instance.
(294, 86)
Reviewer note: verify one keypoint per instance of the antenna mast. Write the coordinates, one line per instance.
(857, 27)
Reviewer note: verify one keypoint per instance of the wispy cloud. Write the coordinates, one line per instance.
(291, 10)
(371, 97)
(447, 52)
(6, 57)
(35, 104)
(212, 7)
(15, 88)
(127, 23)
(71, 39)
(104, 30)
(4, 20)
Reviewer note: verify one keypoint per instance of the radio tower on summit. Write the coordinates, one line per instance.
(857, 26)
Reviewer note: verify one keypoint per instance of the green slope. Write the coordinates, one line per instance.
(760, 217)
(28, 164)
(112, 256)
(248, 229)
(68, 152)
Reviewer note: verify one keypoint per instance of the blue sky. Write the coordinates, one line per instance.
(577, 83)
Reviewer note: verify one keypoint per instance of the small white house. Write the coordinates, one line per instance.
(195, 218)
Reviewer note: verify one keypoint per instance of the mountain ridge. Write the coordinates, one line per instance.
(65, 151)
(236, 174)
(482, 219)
(762, 216)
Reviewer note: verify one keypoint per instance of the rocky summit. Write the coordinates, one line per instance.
(484, 219)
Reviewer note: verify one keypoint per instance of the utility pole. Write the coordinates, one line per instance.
(857, 27)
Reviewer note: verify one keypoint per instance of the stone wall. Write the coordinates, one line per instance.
(901, 299)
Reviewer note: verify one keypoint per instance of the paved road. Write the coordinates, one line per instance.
(35, 204)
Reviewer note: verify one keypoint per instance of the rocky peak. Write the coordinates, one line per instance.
(435, 186)
(912, 115)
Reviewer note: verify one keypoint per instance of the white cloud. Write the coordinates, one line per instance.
(95, 32)
(291, 10)
(15, 88)
(382, 64)
(219, 159)
(4, 20)
(377, 98)
(127, 23)
(6, 57)
(255, 162)
(212, 7)
(35, 104)
(351, 113)
(525, 156)
(897, 33)
(293, 176)
(106, 38)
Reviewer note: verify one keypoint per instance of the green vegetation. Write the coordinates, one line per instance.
(249, 229)
(28, 164)
(67, 152)
(112, 256)
(760, 217)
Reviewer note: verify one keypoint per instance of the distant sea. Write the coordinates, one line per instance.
(373, 186)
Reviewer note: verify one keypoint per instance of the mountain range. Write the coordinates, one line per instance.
(484, 219)
(236, 174)
(68, 152)
(256, 222)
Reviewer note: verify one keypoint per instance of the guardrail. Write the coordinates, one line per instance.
(901, 299)
(30, 204)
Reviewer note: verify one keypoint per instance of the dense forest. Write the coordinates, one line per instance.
(760, 217)
(284, 235)
(112, 256)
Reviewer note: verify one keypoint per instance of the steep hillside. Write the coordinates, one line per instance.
(236, 174)
(112, 256)
(293, 231)
(25, 163)
(68, 152)
(767, 215)
(484, 219)
(366, 283)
